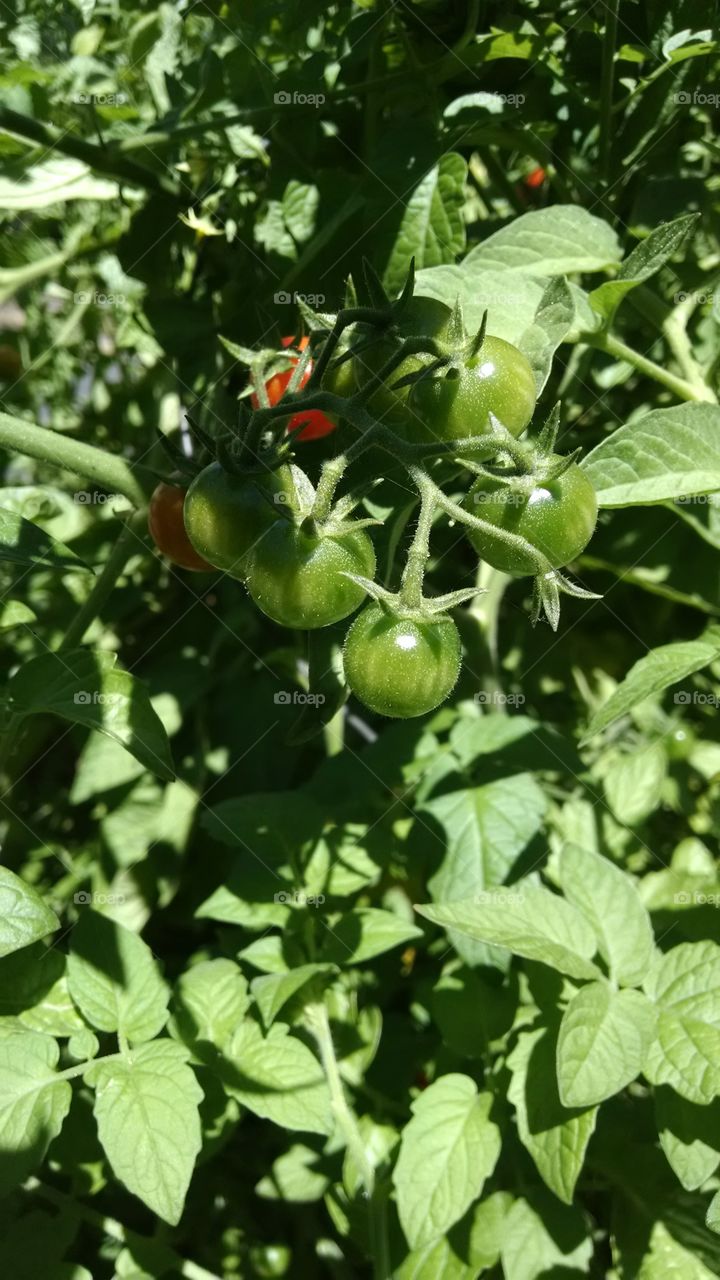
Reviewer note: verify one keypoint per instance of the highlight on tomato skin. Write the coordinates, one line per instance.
(311, 424)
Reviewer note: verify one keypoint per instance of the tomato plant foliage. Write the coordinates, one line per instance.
(358, 902)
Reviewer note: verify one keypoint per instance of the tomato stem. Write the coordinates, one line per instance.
(411, 587)
(111, 472)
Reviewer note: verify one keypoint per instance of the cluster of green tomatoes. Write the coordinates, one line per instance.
(409, 380)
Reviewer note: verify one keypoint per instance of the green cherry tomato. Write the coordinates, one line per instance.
(456, 402)
(226, 514)
(558, 518)
(340, 380)
(423, 317)
(398, 666)
(296, 577)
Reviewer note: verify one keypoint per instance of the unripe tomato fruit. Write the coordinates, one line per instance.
(423, 317)
(165, 522)
(312, 424)
(226, 514)
(558, 518)
(398, 666)
(295, 577)
(456, 402)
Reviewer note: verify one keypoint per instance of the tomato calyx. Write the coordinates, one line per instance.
(393, 603)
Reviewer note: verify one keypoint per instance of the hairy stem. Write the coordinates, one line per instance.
(683, 389)
(348, 1126)
(108, 470)
(411, 588)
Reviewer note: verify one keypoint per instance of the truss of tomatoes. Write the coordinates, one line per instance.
(258, 527)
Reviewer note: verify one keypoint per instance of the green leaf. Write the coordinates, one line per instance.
(668, 1259)
(24, 917)
(471, 1247)
(689, 1135)
(555, 1136)
(646, 258)
(114, 979)
(210, 1002)
(273, 990)
(668, 453)
(33, 1103)
(277, 1077)
(361, 934)
(604, 1036)
(608, 898)
(685, 984)
(544, 1238)
(432, 221)
(634, 781)
(511, 300)
(713, 1213)
(23, 542)
(552, 322)
(548, 242)
(13, 613)
(295, 1176)
(530, 921)
(447, 1151)
(149, 1124)
(52, 182)
(84, 687)
(662, 667)
(485, 829)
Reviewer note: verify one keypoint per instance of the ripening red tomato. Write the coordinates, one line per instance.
(309, 425)
(167, 529)
(535, 178)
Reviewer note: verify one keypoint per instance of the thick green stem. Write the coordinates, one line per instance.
(102, 159)
(348, 1126)
(411, 588)
(109, 471)
(127, 542)
(672, 322)
(683, 389)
